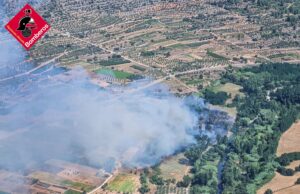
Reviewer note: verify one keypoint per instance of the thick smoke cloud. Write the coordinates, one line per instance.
(44, 118)
(53, 114)
(78, 121)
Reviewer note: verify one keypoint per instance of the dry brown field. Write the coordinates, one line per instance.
(290, 140)
(283, 184)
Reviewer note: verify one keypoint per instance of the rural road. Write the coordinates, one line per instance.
(34, 69)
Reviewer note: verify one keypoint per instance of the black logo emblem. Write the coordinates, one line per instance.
(26, 24)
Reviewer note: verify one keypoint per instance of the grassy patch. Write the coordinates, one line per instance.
(140, 68)
(232, 90)
(113, 61)
(232, 111)
(196, 44)
(77, 185)
(123, 183)
(194, 82)
(147, 53)
(229, 88)
(188, 45)
(145, 36)
(114, 73)
(174, 167)
(215, 55)
(72, 192)
(292, 55)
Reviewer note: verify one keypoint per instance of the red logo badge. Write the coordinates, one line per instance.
(27, 26)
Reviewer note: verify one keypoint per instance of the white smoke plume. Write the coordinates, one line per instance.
(52, 122)
(44, 117)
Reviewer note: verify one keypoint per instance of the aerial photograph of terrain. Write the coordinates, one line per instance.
(150, 97)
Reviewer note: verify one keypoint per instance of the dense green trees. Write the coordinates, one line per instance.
(205, 158)
(144, 188)
(216, 98)
(147, 53)
(270, 106)
(286, 158)
(194, 152)
(285, 171)
(245, 161)
(185, 181)
(290, 94)
(143, 180)
(157, 180)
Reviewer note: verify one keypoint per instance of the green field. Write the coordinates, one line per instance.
(291, 55)
(229, 88)
(113, 61)
(122, 183)
(77, 185)
(215, 55)
(114, 73)
(233, 90)
(72, 192)
(140, 68)
(188, 45)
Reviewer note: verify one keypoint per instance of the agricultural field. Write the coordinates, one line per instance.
(283, 184)
(78, 185)
(112, 62)
(68, 177)
(289, 141)
(114, 73)
(232, 90)
(171, 189)
(56, 180)
(191, 40)
(175, 167)
(72, 192)
(49, 178)
(125, 183)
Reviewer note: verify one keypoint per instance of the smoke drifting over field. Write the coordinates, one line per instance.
(43, 116)
(77, 121)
